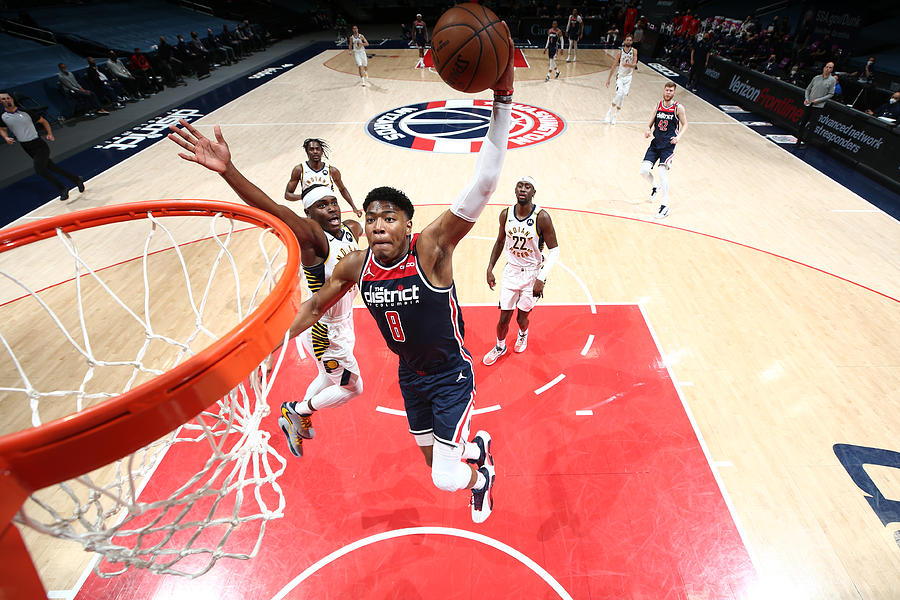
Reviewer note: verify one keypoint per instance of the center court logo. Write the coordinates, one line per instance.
(459, 126)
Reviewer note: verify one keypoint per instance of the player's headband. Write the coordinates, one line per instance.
(527, 179)
(316, 193)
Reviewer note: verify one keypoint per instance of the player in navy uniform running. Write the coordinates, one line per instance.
(667, 126)
(407, 283)
(554, 43)
(574, 33)
(420, 37)
(324, 241)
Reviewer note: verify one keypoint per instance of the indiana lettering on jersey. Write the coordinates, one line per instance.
(380, 296)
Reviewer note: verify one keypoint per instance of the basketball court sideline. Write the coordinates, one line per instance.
(705, 468)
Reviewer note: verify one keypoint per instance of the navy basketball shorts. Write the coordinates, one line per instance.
(440, 404)
(663, 154)
(420, 41)
(551, 52)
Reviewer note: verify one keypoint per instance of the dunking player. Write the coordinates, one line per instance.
(420, 37)
(574, 33)
(524, 229)
(316, 171)
(667, 126)
(407, 283)
(357, 45)
(624, 65)
(554, 43)
(324, 241)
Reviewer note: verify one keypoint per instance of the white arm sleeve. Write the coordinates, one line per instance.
(552, 257)
(474, 197)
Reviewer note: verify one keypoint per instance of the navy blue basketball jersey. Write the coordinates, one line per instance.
(421, 323)
(553, 41)
(666, 124)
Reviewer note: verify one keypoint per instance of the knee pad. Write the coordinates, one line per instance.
(645, 167)
(447, 471)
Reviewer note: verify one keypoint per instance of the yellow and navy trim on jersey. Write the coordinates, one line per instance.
(320, 342)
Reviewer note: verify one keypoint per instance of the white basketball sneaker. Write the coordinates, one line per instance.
(663, 212)
(521, 342)
(492, 356)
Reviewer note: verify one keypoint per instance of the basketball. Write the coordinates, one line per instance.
(469, 47)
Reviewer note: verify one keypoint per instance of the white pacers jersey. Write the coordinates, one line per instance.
(338, 248)
(309, 176)
(356, 43)
(523, 244)
(626, 63)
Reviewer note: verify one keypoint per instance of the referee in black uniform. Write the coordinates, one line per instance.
(21, 124)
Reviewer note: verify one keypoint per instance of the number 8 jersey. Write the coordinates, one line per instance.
(421, 323)
(523, 244)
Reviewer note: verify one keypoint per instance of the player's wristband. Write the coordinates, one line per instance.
(503, 95)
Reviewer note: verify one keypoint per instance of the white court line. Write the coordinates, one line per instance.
(687, 409)
(685, 383)
(460, 533)
(547, 386)
(486, 409)
(584, 413)
(292, 123)
(855, 210)
(723, 463)
(390, 411)
(301, 351)
(644, 122)
(587, 345)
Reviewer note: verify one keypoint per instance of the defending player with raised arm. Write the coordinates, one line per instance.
(316, 171)
(624, 66)
(406, 281)
(667, 125)
(524, 229)
(324, 241)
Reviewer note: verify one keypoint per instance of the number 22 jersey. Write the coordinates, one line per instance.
(421, 323)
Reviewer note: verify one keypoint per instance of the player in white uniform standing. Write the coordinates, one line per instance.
(574, 33)
(624, 65)
(357, 45)
(524, 229)
(316, 171)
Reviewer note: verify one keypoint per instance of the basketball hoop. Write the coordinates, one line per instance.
(215, 395)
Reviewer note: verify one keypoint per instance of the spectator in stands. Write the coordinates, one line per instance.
(794, 77)
(240, 49)
(256, 39)
(699, 60)
(224, 39)
(888, 110)
(141, 67)
(612, 36)
(19, 125)
(194, 61)
(171, 68)
(85, 100)
(771, 67)
(103, 85)
(867, 73)
(200, 50)
(820, 89)
(125, 77)
(223, 54)
(405, 33)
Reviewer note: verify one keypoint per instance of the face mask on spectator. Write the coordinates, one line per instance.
(893, 101)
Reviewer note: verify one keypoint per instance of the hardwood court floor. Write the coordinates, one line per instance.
(772, 290)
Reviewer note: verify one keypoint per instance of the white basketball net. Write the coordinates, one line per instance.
(172, 527)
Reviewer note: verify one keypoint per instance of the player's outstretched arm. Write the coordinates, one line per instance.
(345, 276)
(682, 124)
(345, 193)
(451, 226)
(614, 67)
(548, 232)
(291, 188)
(497, 249)
(216, 156)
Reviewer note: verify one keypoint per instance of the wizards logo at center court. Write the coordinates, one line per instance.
(459, 126)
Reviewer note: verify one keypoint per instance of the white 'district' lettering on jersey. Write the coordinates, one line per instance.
(380, 295)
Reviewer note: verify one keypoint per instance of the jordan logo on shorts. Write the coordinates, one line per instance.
(461, 377)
